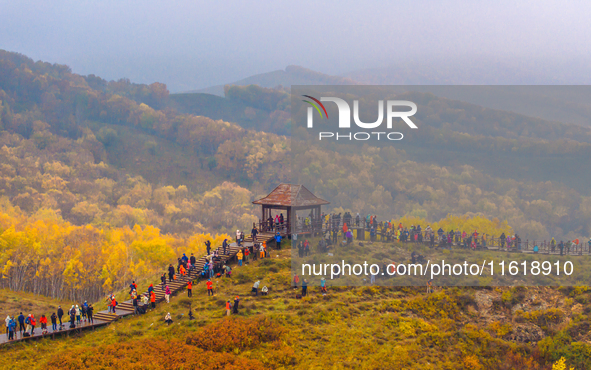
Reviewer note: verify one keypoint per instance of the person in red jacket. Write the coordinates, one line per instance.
(228, 308)
(43, 321)
(113, 304)
(296, 281)
(190, 288)
(209, 287)
(153, 299)
(32, 322)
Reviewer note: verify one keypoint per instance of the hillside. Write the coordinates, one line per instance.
(114, 164)
(252, 107)
(351, 327)
(121, 153)
(292, 75)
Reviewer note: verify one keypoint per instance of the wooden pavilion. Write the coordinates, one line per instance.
(291, 198)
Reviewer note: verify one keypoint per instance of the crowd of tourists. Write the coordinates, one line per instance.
(337, 227)
(25, 326)
(215, 266)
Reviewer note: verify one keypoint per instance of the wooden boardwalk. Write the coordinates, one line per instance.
(125, 308)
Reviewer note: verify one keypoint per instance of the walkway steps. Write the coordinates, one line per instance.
(125, 308)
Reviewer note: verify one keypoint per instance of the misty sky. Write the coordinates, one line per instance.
(194, 44)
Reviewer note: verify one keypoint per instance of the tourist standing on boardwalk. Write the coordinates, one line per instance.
(11, 329)
(89, 312)
(134, 302)
(170, 273)
(85, 310)
(208, 247)
(43, 322)
(72, 318)
(254, 252)
(190, 289)
(193, 261)
(60, 314)
(33, 323)
(21, 323)
(28, 323)
(78, 314)
(254, 233)
(132, 287)
(7, 321)
(153, 299)
(167, 294)
(53, 322)
(211, 269)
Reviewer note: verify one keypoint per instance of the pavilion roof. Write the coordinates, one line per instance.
(291, 196)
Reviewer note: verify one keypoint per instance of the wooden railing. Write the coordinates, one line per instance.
(363, 232)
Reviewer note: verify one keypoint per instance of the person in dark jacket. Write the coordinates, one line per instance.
(21, 323)
(561, 247)
(170, 273)
(304, 288)
(225, 246)
(254, 233)
(53, 322)
(235, 307)
(89, 312)
(208, 246)
(60, 313)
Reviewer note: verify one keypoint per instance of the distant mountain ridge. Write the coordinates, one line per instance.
(292, 75)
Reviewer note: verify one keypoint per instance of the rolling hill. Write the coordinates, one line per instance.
(292, 75)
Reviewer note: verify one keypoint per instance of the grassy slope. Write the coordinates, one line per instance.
(12, 303)
(351, 327)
